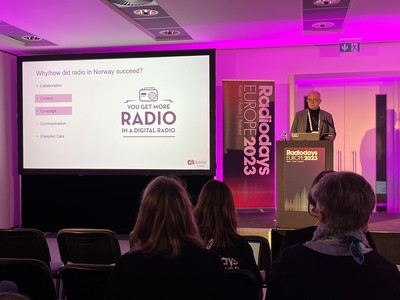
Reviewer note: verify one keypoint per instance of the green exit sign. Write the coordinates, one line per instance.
(349, 47)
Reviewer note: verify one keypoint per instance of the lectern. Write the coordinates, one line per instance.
(298, 163)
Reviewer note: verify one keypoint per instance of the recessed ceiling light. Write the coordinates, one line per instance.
(170, 32)
(131, 2)
(326, 2)
(323, 24)
(31, 38)
(145, 12)
(149, 17)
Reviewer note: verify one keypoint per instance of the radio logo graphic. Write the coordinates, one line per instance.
(148, 94)
(148, 116)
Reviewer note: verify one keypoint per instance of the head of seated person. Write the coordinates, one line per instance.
(7, 286)
(13, 296)
(343, 203)
(216, 214)
(165, 221)
(311, 201)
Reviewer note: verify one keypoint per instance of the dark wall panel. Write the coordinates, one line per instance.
(53, 202)
(381, 180)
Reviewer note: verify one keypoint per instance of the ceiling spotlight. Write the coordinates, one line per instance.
(145, 12)
(326, 2)
(323, 24)
(170, 32)
(32, 38)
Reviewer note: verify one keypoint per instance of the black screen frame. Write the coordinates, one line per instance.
(95, 56)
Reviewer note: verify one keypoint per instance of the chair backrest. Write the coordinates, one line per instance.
(33, 277)
(24, 243)
(388, 245)
(261, 251)
(242, 285)
(85, 281)
(90, 246)
(285, 238)
(297, 236)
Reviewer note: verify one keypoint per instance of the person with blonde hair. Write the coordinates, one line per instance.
(167, 258)
(338, 262)
(216, 217)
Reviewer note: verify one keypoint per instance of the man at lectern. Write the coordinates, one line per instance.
(314, 119)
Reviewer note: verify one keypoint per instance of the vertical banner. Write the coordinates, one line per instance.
(248, 159)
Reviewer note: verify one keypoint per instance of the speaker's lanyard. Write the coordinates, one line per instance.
(309, 120)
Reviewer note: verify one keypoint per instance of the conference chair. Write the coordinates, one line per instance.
(297, 236)
(28, 243)
(85, 281)
(88, 246)
(262, 253)
(32, 277)
(242, 285)
(388, 244)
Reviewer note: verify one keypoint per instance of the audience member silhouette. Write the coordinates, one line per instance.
(167, 258)
(9, 291)
(7, 286)
(302, 235)
(337, 263)
(13, 296)
(216, 217)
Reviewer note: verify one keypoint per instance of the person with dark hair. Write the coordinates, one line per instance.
(168, 259)
(13, 296)
(216, 218)
(7, 286)
(9, 291)
(337, 263)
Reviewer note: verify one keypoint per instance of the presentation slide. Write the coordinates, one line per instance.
(135, 113)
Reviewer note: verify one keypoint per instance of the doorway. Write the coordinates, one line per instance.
(352, 102)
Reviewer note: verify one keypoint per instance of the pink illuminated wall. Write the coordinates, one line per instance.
(9, 181)
(281, 64)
